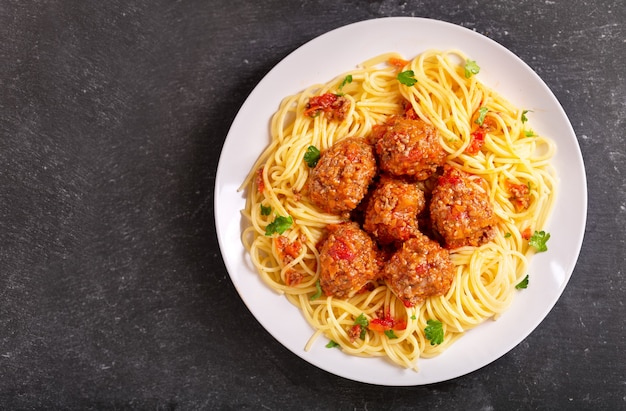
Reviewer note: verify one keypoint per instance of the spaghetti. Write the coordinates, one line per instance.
(285, 229)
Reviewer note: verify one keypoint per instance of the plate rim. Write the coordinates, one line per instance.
(568, 270)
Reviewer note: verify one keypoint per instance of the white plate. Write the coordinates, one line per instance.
(338, 51)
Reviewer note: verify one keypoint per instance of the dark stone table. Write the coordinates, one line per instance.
(113, 292)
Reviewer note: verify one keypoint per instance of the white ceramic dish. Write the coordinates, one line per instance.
(328, 56)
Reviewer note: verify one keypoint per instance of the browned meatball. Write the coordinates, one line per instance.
(342, 175)
(418, 270)
(408, 147)
(348, 260)
(392, 209)
(460, 209)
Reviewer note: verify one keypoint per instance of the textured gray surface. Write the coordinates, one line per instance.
(113, 293)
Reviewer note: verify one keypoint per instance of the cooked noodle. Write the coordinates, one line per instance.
(486, 276)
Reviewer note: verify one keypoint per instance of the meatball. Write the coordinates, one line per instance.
(460, 209)
(408, 147)
(348, 260)
(392, 209)
(342, 175)
(418, 270)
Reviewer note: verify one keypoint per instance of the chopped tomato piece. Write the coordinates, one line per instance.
(477, 141)
(398, 62)
(385, 324)
(322, 102)
(287, 250)
(260, 183)
(293, 277)
(332, 105)
(520, 195)
(477, 137)
(354, 332)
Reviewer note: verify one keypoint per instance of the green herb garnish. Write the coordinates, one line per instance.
(346, 80)
(390, 334)
(407, 78)
(279, 225)
(522, 284)
(482, 112)
(332, 344)
(434, 332)
(265, 210)
(312, 156)
(539, 240)
(471, 68)
(362, 321)
(318, 293)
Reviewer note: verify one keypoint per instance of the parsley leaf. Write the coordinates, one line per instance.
(522, 284)
(390, 334)
(332, 344)
(529, 133)
(413, 317)
(539, 240)
(434, 332)
(507, 235)
(361, 321)
(318, 293)
(471, 68)
(312, 156)
(346, 80)
(482, 112)
(265, 210)
(407, 78)
(524, 118)
(279, 225)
